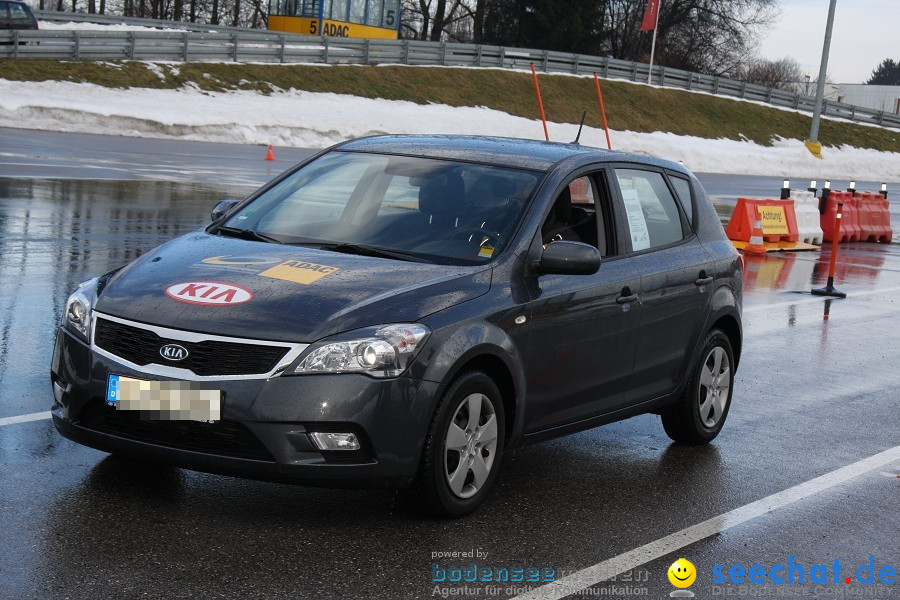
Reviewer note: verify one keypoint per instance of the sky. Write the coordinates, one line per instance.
(865, 33)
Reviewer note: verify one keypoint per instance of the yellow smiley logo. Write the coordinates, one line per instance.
(682, 573)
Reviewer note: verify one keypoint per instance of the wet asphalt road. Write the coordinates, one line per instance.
(817, 390)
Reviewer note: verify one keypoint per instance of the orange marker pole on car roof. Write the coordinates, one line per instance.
(537, 90)
(602, 109)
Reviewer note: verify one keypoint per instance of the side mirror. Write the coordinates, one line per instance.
(222, 207)
(569, 258)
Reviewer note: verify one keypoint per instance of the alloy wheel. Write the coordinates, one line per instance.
(471, 445)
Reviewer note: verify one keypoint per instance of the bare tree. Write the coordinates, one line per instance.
(784, 74)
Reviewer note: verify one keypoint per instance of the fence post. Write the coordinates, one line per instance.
(281, 53)
(881, 118)
(478, 57)
(502, 57)
(15, 43)
(325, 56)
(662, 76)
(444, 53)
(690, 84)
(546, 60)
(716, 85)
(184, 53)
(743, 89)
(77, 50)
(634, 71)
(405, 52)
(606, 67)
(366, 54)
(234, 54)
(575, 64)
(853, 113)
(797, 100)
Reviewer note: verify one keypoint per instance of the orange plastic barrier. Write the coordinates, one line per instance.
(884, 212)
(740, 227)
(874, 218)
(867, 217)
(850, 231)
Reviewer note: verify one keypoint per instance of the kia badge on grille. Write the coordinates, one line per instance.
(173, 352)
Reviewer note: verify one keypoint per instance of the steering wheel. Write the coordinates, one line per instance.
(493, 237)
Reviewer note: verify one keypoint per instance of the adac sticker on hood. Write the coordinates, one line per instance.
(210, 293)
(299, 271)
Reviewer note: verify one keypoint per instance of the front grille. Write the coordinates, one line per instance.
(209, 357)
(224, 438)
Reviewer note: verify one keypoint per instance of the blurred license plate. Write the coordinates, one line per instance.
(164, 400)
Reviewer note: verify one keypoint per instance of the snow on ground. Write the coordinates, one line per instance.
(54, 26)
(305, 119)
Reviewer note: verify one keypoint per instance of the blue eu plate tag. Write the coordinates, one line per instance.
(112, 390)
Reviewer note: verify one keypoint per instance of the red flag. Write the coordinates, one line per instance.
(650, 15)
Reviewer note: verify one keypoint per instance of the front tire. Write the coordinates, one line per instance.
(461, 457)
(700, 413)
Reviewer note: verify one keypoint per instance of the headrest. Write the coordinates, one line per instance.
(563, 206)
(443, 195)
(490, 190)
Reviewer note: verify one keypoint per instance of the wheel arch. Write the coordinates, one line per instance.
(730, 326)
(484, 347)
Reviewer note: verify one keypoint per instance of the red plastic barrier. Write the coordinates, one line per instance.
(850, 231)
(885, 212)
(868, 219)
(881, 218)
(740, 227)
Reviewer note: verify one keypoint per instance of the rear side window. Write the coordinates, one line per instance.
(683, 190)
(17, 13)
(653, 216)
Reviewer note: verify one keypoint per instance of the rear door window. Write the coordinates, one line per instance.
(652, 212)
(18, 15)
(683, 190)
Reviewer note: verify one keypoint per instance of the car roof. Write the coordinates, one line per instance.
(501, 151)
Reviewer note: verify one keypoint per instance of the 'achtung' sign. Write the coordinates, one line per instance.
(774, 221)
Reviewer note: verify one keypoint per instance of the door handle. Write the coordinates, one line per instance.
(627, 299)
(703, 281)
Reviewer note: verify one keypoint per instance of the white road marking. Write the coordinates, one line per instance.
(634, 558)
(24, 418)
(812, 299)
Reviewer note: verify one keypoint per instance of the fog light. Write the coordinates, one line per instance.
(58, 391)
(335, 441)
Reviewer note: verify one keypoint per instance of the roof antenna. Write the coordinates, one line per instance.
(578, 137)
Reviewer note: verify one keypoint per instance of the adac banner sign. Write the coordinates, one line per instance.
(329, 28)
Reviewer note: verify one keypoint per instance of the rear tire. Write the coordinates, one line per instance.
(700, 413)
(463, 448)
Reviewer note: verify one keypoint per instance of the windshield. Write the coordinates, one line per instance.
(393, 206)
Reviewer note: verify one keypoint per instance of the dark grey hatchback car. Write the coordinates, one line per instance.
(402, 310)
(16, 15)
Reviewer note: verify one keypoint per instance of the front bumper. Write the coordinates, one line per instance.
(264, 429)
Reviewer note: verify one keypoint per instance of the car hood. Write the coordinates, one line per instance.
(227, 286)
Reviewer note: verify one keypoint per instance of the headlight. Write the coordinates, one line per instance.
(78, 309)
(384, 353)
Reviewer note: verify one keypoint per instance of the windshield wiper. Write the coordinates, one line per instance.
(361, 250)
(247, 234)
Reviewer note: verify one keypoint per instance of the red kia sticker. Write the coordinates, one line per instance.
(210, 293)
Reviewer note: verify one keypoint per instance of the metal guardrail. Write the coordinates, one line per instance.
(215, 43)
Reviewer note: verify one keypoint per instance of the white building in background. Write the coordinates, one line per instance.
(879, 97)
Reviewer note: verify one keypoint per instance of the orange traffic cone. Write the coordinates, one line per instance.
(270, 155)
(755, 245)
